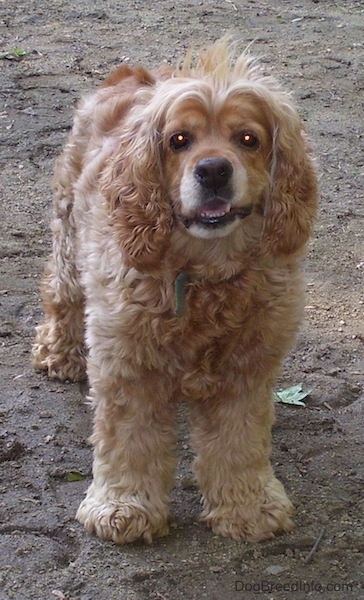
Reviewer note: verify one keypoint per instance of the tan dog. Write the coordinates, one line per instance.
(183, 202)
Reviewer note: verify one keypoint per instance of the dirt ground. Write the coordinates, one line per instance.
(314, 47)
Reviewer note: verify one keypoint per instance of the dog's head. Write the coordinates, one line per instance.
(217, 146)
(205, 149)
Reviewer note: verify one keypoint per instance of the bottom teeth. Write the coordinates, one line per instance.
(213, 214)
(215, 209)
(216, 218)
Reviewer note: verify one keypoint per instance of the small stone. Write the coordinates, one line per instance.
(275, 569)
(216, 569)
(188, 483)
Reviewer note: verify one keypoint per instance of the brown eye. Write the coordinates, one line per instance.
(180, 141)
(248, 139)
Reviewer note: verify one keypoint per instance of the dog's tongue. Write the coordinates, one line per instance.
(214, 208)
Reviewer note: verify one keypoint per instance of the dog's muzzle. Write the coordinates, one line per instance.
(214, 177)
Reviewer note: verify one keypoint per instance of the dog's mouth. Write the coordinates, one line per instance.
(216, 213)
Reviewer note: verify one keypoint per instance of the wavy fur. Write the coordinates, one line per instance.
(203, 170)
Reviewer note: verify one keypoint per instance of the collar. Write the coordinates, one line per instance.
(180, 293)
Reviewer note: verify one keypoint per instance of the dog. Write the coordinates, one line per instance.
(184, 199)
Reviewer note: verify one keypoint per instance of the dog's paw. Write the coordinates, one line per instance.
(59, 354)
(255, 519)
(68, 370)
(70, 366)
(122, 521)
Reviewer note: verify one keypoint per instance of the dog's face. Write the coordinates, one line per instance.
(217, 155)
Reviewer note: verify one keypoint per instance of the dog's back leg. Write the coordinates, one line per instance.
(59, 344)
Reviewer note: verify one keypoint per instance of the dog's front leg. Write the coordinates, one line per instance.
(133, 458)
(242, 498)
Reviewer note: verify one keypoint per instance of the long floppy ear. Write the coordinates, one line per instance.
(132, 183)
(291, 201)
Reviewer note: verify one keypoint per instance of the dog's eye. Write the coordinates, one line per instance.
(248, 139)
(180, 141)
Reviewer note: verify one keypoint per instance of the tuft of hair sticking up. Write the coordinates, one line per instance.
(220, 62)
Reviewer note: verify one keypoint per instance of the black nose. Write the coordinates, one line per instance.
(213, 173)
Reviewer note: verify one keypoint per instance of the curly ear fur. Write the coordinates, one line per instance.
(141, 214)
(291, 201)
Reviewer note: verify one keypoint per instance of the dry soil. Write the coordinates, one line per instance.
(314, 47)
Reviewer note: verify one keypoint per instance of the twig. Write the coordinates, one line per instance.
(232, 4)
(315, 546)
(59, 594)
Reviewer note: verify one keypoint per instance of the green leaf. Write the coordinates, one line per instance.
(18, 52)
(292, 395)
(14, 54)
(75, 476)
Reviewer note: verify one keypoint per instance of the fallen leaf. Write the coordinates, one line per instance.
(15, 54)
(75, 476)
(292, 395)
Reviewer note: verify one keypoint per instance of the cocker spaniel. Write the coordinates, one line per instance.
(183, 202)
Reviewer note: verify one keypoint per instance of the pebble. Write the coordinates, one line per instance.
(274, 569)
(216, 569)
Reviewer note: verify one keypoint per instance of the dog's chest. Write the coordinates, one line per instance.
(199, 322)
